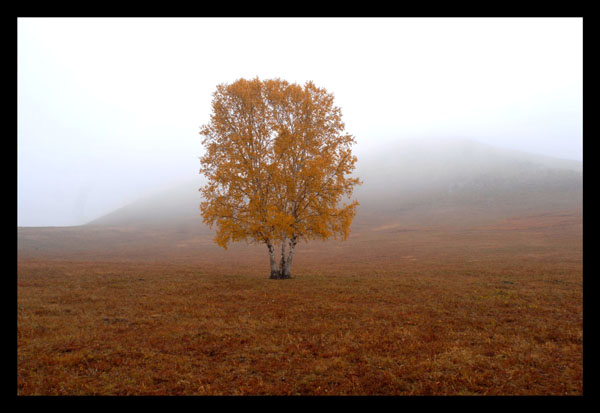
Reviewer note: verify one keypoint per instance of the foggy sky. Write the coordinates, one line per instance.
(110, 109)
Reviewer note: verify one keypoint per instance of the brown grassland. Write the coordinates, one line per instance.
(491, 309)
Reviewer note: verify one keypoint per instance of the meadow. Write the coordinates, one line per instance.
(494, 309)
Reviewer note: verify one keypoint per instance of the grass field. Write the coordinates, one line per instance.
(493, 310)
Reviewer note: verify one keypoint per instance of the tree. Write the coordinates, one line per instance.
(277, 164)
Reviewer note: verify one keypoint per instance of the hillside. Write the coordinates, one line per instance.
(176, 208)
(412, 176)
(410, 191)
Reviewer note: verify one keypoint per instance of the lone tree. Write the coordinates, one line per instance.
(277, 164)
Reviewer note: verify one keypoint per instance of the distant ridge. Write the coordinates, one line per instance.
(411, 179)
(466, 173)
(174, 206)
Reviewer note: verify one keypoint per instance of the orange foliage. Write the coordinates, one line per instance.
(278, 164)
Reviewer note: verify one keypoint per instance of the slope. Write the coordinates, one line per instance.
(411, 189)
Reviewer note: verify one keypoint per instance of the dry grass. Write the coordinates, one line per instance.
(494, 310)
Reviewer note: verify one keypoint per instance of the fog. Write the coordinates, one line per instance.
(109, 109)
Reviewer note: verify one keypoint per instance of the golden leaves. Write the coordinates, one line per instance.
(277, 162)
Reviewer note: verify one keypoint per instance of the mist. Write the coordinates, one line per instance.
(109, 110)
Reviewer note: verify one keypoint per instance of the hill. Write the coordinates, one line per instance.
(463, 182)
(445, 177)
(410, 187)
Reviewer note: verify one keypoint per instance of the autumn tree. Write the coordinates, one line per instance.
(278, 167)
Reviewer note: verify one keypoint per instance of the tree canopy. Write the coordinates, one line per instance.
(278, 166)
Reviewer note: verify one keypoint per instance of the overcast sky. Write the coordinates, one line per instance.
(110, 109)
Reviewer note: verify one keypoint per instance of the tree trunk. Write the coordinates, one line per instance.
(283, 271)
(272, 261)
(283, 261)
(288, 263)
